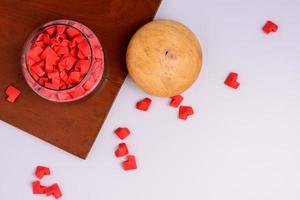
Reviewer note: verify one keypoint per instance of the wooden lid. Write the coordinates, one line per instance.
(164, 58)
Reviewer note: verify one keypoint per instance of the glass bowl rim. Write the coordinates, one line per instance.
(40, 30)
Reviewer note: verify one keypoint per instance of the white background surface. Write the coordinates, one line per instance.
(240, 144)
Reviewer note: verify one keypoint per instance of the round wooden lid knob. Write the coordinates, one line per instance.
(164, 58)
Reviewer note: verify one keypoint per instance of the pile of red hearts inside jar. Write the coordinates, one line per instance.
(64, 63)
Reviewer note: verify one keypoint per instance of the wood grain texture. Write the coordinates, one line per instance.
(164, 58)
(71, 126)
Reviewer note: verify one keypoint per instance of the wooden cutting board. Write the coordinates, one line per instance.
(70, 126)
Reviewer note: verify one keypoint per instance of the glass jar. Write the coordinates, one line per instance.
(73, 83)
